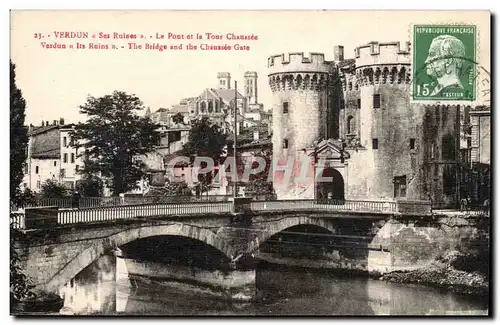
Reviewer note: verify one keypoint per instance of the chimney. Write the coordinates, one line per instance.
(47, 123)
(61, 121)
(255, 135)
(54, 122)
(338, 53)
(43, 123)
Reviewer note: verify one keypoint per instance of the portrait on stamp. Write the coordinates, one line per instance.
(444, 63)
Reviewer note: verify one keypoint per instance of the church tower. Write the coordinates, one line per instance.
(224, 80)
(251, 87)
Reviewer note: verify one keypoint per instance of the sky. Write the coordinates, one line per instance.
(55, 82)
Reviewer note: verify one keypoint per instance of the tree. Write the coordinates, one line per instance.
(113, 136)
(90, 186)
(203, 186)
(205, 139)
(18, 138)
(178, 189)
(20, 286)
(52, 189)
(178, 118)
(172, 192)
(259, 183)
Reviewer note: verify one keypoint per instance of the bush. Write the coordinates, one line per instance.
(90, 186)
(52, 189)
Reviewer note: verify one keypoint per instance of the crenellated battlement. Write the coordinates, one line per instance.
(375, 53)
(299, 62)
(250, 74)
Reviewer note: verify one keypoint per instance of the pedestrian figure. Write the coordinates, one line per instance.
(468, 206)
(75, 202)
(463, 204)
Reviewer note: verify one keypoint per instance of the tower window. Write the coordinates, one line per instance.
(399, 186)
(55, 163)
(412, 143)
(285, 144)
(72, 158)
(359, 102)
(65, 142)
(36, 170)
(65, 158)
(374, 143)
(285, 107)
(376, 101)
(350, 124)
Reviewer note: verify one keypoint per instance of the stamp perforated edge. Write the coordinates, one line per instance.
(477, 50)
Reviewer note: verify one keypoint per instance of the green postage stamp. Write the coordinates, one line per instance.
(444, 62)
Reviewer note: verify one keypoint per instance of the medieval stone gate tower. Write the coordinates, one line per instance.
(300, 87)
(381, 145)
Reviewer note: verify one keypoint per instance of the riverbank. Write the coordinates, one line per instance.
(455, 272)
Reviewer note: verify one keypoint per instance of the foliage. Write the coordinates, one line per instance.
(171, 192)
(90, 186)
(20, 287)
(259, 183)
(205, 139)
(113, 136)
(52, 189)
(28, 196)
(202, 186)
(18, 138)
(178, 118)
(260, 187)
(177, 189)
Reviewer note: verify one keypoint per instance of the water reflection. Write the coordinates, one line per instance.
(92, 290)
(103, 288)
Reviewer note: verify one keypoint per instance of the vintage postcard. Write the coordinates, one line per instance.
(220, 163)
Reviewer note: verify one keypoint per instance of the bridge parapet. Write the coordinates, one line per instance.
(106, 214)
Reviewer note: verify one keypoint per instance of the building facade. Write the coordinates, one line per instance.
(480, 177)
(354, 121)
(51, 155)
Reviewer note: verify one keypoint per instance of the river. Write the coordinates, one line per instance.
(285, 291)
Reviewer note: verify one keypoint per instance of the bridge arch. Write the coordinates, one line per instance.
(279, 225)
(101, 246)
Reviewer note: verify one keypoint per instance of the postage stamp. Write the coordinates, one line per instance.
(444, 62)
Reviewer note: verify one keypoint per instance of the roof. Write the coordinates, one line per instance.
(179, 108)
(45, 142)
(41, 129)
(227, 94)
(178, 127)
(257, 144)
(48, 154)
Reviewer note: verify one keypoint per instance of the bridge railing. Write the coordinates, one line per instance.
(135, 211)
(17, 220)
(100, 214)
(113, 201)
(325, 205)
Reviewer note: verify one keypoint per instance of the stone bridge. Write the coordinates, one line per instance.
(56, 245)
